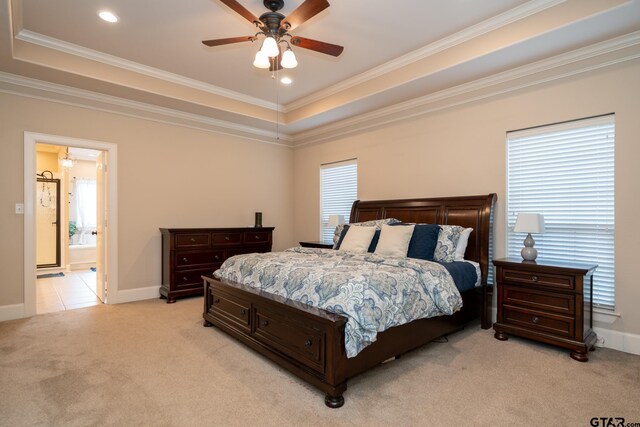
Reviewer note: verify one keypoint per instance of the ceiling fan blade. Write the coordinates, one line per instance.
(318, 46)
(240, 10)
(305, 11)
(220, 42)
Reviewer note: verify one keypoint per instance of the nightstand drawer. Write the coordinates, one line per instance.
(555, 302)
(553, 324)
(539, 279)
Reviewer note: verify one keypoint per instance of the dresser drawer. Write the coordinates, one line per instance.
(291, 335)
(221, 239)
(554, 324)
(190, 279)
(252, 237)
(231, 310)
(193, 240)
(557, 281)
(554, 302)
(189, 259)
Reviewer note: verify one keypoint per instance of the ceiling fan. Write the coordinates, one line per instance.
(275, 27)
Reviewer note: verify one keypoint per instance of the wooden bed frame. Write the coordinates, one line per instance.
(309, 342)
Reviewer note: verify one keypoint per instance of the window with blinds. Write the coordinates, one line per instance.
(566, 173)
(338, 191)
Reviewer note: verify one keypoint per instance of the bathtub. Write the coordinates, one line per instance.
(81, 257)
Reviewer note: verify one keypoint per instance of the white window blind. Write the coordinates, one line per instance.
(338, 191)
(566, 173)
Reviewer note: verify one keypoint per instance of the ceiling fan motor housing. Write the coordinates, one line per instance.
(272, 21)
(273, 5)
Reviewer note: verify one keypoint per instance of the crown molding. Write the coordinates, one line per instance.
(24, 86)
(477, 30)
(385, 116)
(93, 55)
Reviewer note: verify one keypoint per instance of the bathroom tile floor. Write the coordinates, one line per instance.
(76, 289)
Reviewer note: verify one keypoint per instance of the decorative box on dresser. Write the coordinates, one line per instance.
(190, 253)
(547, 301)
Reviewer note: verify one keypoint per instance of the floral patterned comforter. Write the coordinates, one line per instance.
(375, 293)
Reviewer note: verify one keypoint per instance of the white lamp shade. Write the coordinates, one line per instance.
(270, 47)
(335, 220)
(261, 61)
(289, 59)
(529, 223)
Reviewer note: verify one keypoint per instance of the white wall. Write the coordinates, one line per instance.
(461, 151)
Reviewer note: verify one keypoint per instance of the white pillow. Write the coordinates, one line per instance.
(461, 247)
(357, 239)
(394, 240)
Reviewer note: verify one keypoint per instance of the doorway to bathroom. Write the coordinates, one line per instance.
(69, 195)
(66, 228)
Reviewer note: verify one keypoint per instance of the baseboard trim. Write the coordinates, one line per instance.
(137, 294)
(616, 340)
(11, 312)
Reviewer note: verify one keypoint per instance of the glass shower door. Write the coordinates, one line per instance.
(48, 223)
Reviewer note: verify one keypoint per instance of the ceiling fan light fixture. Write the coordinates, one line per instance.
(262, 60)
(289, 59)
(270, 47)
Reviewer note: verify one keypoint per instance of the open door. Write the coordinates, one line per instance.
(101, 226)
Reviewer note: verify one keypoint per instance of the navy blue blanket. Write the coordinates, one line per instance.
(463, 273)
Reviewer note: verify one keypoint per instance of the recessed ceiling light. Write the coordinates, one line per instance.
(286, 81)
(105, 15)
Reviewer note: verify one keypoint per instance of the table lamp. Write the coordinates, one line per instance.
(529, 223)
(335, 220)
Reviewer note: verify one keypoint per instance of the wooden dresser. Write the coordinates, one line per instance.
(548, 301)
(190, 253)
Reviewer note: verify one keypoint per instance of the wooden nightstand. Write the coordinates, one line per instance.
(547, 301)
(320, 245)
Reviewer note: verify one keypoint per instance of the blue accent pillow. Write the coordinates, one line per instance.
(423, 241)
(372, 246)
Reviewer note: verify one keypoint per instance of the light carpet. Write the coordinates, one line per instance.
(151, 363)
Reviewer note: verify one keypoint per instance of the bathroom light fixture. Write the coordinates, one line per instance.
(105, 15)
(66, 162)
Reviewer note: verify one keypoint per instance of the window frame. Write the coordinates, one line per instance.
(323, 221)
(597, 223)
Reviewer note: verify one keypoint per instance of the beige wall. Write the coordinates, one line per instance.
(46, 161)
(168, 176)
(461, 151)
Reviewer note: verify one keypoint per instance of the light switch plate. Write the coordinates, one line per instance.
(20, 208)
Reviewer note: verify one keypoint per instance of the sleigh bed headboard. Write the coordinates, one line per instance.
(467, 211)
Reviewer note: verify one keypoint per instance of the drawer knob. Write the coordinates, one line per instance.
(534, 278)
(184, 278)
(257, 237)
(226, 237)
(193, 240)
(243, 312)
(185, 259)
(535, 320)
(265, 323)
(307, 343)
(217, 257)
(216, 301)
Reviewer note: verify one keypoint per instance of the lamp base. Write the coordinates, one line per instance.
(529, 253)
